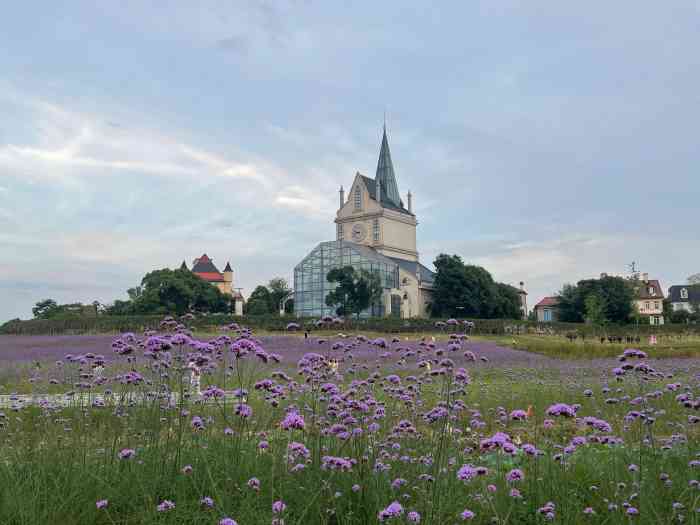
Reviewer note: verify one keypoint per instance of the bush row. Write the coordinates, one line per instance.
(139, 323)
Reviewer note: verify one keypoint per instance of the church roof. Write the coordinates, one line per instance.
(385, 175)
(228, 267)
(372, 190)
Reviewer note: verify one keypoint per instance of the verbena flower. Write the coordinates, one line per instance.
(101, 504)
(165, 506)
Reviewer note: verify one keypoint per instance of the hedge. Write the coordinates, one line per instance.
(139, 323)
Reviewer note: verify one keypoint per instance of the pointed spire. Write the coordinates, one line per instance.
(385, 177)
(228, 267)
(183, 266)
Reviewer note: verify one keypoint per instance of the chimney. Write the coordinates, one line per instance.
(342, 197)
(410, 202)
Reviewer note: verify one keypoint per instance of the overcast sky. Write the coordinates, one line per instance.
(548, 141)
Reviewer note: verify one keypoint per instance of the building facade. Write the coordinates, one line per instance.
(204, 268)
(375, 231)
(547, 310)
(684, 297)
(649, 300)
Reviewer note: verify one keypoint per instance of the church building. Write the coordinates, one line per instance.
(375, 231)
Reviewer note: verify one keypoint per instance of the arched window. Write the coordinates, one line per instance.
(684, 293)
(358, 198)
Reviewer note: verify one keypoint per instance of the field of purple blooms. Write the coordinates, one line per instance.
(170, 428)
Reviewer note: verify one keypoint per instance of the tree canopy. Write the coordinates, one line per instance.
(600, 301)
(172, 292)
(463, 290)
(355, 291)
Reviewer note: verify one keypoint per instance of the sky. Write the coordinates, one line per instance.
(547, 141)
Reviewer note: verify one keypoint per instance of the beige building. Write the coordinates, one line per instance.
(204, 268)
(649, 299)
(376, 231)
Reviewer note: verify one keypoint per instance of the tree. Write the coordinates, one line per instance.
(279, 291)
(614, 293)
(595, 310)
(354, 292)
(260, 302)
(177, 292)
(45, 309)
(470, 291)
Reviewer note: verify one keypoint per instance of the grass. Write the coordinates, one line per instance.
(561, 347)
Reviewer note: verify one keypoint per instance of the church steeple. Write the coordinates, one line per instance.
(385, 175)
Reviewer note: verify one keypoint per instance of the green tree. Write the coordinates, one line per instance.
(470, 291)
(45, 309)
(615, 293)
(178, 291)
(279, 291)
(595, 310)
(260, 302)
(355, 291)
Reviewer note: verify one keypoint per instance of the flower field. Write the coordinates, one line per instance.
(170, 428)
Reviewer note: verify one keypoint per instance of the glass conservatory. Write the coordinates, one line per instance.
(311, 286)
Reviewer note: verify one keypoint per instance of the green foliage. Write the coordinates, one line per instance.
(595, 310)
(615, 294)
(172, 292)
(355, 292)
(279, 291)
(260, 302)
(469, 291)
(45, 309)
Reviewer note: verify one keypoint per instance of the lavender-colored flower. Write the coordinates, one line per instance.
(206, 501)
(165, 506)
(467, 515)
(394, 510)
(228, 521)
(278, 507)
(293, 421)
(243, 410)
(254, 483)
(127, 453)
(102, 503)
(515, 475)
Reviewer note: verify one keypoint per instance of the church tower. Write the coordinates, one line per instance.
(374, 213)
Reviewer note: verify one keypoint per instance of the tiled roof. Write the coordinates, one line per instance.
(204, 265)
(643, 290)
(548, 301)
(212, 277)
(674, 293)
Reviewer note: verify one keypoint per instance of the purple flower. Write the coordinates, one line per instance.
(413, 517)
(206, 501)
(101, 504)
(632, 511)
(467, 515)
(561, 409)
(228, 521)
(165, 506)
(293, 421)
(394, 510)
(254, 483)
(278, 507)
(515, 475)
(243, 410)
(127, 453)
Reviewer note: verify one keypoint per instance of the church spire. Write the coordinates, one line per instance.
(385, 174)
